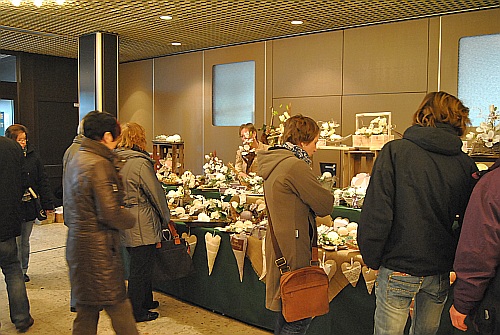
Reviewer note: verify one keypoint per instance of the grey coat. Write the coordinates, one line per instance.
(144, 199)
(93, 212)
(294, 198)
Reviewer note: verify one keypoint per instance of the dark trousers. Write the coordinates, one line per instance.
(16, 290)
(140, 287)
(291, 328)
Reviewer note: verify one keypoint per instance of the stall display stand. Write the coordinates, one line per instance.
(172, 150)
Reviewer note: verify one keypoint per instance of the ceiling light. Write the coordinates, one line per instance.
(176, 43)
(297, 22)
(38, 3)
(166, 17)
(60, 2)
(16, 2)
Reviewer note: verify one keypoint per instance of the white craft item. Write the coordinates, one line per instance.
(239, 244)
(264, 269)
(352, 271)
(192, 240)
(339, 222)
(212, 244)
(370, 276)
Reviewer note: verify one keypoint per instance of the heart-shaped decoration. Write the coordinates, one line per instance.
(330, 267)
(351, 272)
(370, 276)
(192, 240)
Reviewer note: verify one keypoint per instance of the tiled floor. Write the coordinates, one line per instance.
(48, 293)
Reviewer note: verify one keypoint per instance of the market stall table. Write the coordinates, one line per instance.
(351, 309)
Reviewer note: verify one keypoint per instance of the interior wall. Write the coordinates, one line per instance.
(225, 140)
(332, 75)
(178, 104)
(136, 96)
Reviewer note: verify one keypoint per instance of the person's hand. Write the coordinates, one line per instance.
(457, 319)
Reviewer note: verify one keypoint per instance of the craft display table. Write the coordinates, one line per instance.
(351, 310)
(172, 150)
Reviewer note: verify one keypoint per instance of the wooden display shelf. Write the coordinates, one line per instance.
(173, 150)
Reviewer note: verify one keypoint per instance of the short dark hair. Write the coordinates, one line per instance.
(96, 124)
(14, 130)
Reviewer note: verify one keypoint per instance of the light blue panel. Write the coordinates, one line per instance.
(479, 74)
(233, 96)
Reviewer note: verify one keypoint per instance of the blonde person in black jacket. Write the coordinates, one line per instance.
(38, 181)
(145, 200)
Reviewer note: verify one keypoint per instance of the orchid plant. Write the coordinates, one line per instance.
(377, 126)
(488, 132)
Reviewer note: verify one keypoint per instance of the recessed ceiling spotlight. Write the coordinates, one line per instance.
(60, 2)
(297, 22)
(166, 17)
(38, 3)
(176, 43)
(16, 2)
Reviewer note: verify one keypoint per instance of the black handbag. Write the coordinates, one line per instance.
(172, 258)
(40, 212)
(485, 317)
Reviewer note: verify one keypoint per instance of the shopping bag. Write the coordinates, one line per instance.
(40, 212)
(172, 258)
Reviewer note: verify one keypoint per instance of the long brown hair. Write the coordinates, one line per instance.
(442, 107)
(133, 134)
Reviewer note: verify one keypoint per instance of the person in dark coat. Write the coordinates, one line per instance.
(145, 200)
(11, 191)
(420, 185)
(94, 213)
(38, 182)
(477, 260)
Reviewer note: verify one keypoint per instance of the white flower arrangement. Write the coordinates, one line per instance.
(377, 126)
(254, 182)
(327, 131)
(328, 236)
(488, 132)
(217, 174)
(273, 133)
(176, 138)
(247, 148)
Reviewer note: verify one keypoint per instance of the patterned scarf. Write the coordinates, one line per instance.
(297, 151)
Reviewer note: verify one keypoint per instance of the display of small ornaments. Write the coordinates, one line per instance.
(486, 139)
(176, 138)
(341, 235)
(376, 133)
(216, 173)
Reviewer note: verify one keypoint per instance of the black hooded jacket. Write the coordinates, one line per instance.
(419, 186)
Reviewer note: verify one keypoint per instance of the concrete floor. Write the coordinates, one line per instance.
(49, 289)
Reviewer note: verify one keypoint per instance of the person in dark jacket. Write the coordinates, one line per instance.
(11, 192)
(294, 198)
(145, 200)
(67, 157)
(94, 214)
(420, 185)
(478, 253)
(38, 182)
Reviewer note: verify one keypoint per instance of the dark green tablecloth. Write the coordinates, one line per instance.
(351, 311)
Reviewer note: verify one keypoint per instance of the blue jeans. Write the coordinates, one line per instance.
(23, 244)
(16, 290)
(395, 292)
(291, 328)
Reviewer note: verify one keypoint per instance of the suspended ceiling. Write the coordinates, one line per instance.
(199, 25)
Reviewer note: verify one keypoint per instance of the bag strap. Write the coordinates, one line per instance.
(33, 194)
(173, 232)
(280, 261)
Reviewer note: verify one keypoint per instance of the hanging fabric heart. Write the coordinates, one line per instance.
(370, 276)
(352, 272)
(330, 267)
(212, 244)
(192, 240)
(239, 244)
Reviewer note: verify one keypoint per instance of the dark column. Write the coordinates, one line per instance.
(98, 73)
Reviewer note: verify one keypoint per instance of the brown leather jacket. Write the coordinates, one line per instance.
(93, 198)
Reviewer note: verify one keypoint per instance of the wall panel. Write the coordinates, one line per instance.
(178, 103)
(386, 58)
(135, 92)
(308, 65)
(225, 140)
